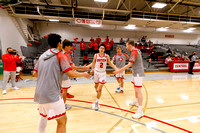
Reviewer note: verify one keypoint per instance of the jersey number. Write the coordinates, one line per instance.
(101, 65)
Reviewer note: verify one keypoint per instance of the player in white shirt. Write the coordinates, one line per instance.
(98, 66)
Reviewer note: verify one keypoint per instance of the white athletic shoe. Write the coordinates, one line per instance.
(15, 88)
(138, 114)
(133, 103)
(95, 106)
(67, 107)
(4, 92)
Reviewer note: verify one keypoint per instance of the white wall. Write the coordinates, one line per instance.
(9, 34)
(71, 32)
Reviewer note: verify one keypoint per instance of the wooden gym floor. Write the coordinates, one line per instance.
(170, 106)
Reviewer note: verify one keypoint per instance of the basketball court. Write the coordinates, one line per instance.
(171, 104)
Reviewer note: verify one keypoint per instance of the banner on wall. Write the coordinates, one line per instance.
(169, 36)
(196, 66)
(88, 21)
(181, 66)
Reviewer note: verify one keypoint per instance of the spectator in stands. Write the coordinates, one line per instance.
(107, 39)
(96, 47)
(168, 59)
(91, 39)
(153, 56)
(182, 58)
(192, 58)
(108, 47)
(82, 47)
(111, 43)
(98, 40)
(121, 42)
(143, 39)
(169, 52)
(85, 59)
(173, 55)
(90, 50)
(9, 68)
(127, 39)
(176, 58)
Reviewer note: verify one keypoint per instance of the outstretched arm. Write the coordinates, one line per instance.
(93, 62)
(78, 67)
(124, 68)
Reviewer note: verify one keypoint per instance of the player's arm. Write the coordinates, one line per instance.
(199, 60)
(110, 63)
(93, 62)
(75, 74)
(78, 67)
(34, 74)
(126, 67)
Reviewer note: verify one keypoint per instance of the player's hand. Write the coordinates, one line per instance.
(117, 71)
(85, 67)
(86, 75)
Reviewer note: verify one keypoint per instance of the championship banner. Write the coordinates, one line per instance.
(196, 66)
(181, 66)
(88, 21)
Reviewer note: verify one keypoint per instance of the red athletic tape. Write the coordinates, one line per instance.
(113, 108)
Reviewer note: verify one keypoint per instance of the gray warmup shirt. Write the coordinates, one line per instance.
(120, 60)
(49, 68)
(69, 60)
(137, 67)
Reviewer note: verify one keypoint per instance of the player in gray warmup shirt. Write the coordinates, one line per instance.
(48, 70)
(138, 74)
(120, 61)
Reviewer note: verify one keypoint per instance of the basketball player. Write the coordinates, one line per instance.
(99, 63)
(66, 84)
(120, 61)
(138, 74)
(48, 71)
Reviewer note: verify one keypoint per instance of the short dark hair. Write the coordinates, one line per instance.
(66, 43)
(102, 45)
(53, 40)
(9, 48)
(131, 42)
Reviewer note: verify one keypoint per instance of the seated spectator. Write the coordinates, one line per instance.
(176, 58)
(108, 47)
(183, 58)
(96, 47)
(121, 42)
(85, 59)
(169, 52)
(173, 55)
(168, 59)
(90, 50)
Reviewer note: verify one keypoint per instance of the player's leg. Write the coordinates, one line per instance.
(5, 81)
(96, 81)
(42, 124)
(138, 85)
(65, 86)
(61, 124)
(99, 91)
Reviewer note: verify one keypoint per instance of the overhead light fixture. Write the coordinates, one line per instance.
(163, 29)
(101, 0)
(159, 5)
(53, 20)
(130, 26)
(189, 30)
(95, 25)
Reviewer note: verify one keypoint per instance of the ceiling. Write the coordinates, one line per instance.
(178, 14)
